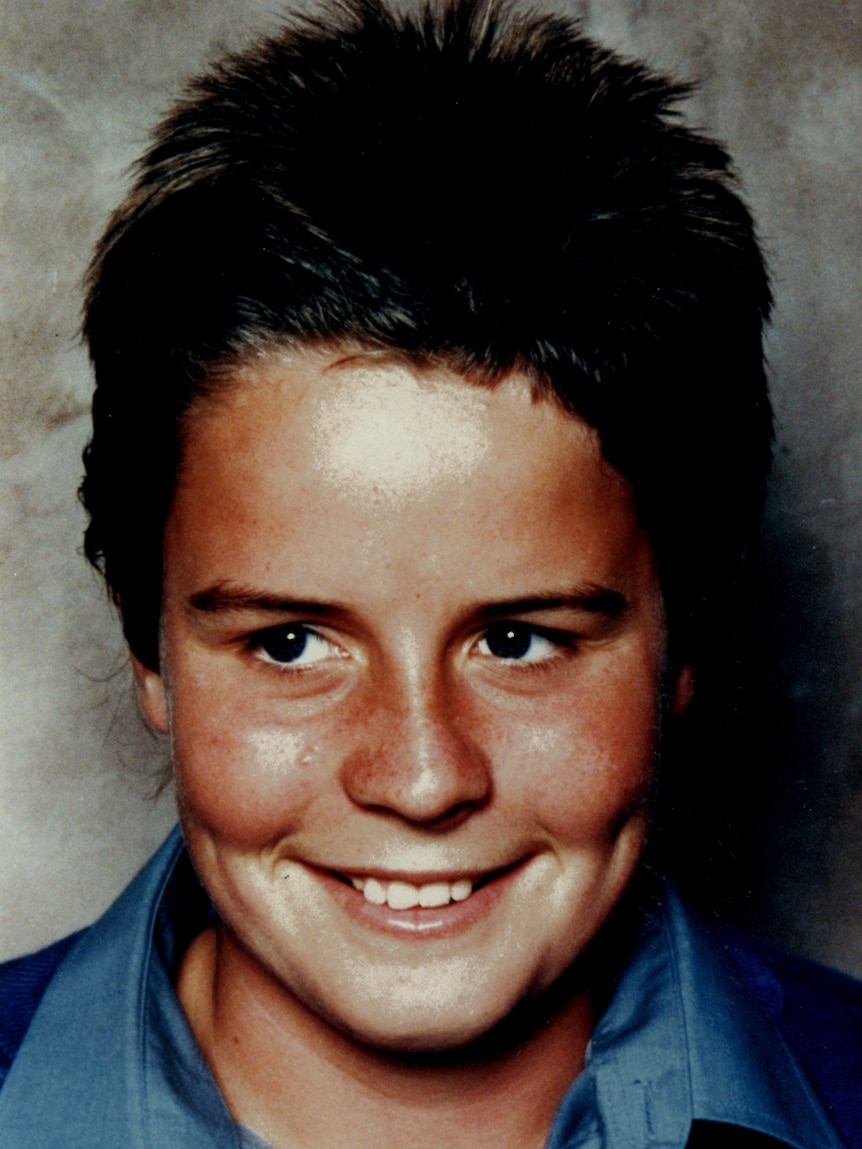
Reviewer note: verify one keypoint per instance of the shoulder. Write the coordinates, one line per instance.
(819, 1014)
(23, 981)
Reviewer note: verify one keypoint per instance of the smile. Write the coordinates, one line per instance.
(400, 895)
(431, 905)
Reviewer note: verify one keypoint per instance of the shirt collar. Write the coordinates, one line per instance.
(679, 1040)
(682, 1040)
(109, 1058)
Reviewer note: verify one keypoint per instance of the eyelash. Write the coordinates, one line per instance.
(560, 641)
(301, 633)
(298, 632)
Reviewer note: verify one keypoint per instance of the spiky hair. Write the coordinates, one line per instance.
(468, 185)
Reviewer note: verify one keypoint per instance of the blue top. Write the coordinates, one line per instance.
(109, 1062)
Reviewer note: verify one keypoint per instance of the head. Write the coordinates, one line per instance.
(494, 242)
(470, 188)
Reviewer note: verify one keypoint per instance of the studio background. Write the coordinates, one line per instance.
(80, 85)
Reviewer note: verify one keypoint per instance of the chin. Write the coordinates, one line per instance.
(414, 1028)
(467, 1024)
(415, 1033)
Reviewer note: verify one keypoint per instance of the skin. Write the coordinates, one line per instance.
(478, 693)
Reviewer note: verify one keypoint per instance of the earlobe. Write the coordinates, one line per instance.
(683, 689)
(151, 695)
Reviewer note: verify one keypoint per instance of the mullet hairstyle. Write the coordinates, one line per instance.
(467, 186)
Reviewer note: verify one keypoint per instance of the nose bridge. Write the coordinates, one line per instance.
(417, 758)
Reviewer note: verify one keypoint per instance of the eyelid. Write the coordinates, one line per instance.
(559, 635)
(256, 644)
(559, 640)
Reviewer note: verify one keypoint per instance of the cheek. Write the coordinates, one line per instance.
(241, 778)
(584, 766)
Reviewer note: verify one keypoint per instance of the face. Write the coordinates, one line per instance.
(413, 648)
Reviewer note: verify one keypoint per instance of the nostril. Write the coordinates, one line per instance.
(453, 817)
(448, 820)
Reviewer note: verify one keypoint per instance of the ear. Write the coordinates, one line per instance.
(683, 689)
(152, 697)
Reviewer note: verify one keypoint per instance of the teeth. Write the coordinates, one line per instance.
(404, 896)
(375, 892)
(435, 894)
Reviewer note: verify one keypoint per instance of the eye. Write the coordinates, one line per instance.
(292, 645)
(517, 641)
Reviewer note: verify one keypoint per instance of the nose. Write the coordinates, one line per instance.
(418, 760)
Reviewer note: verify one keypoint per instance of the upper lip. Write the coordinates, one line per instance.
(425, 877)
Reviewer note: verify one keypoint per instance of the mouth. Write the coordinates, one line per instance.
(399, 894)
(428, 904)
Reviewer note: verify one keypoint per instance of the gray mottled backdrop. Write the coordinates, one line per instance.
(80, 83)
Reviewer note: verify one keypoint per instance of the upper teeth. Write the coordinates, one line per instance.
(404, 896)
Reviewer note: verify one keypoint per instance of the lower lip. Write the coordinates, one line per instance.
(440, 922)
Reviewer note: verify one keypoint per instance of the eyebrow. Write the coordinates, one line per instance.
(591, 598)
(223, 598)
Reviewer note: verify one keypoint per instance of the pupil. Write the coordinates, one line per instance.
(509, 641)
(285, 645)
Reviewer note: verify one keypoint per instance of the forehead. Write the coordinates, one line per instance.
(336, 467)
(364, 418)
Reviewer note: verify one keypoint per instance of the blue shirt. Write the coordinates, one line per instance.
(109, 1061)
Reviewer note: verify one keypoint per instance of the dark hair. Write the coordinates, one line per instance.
(466, 185)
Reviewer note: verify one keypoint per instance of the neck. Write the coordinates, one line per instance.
(299, 1082)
